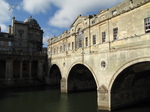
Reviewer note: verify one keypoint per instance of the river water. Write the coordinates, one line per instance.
(46, 99)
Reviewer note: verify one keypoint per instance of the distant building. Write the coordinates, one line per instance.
(22, 59)
(22, 36)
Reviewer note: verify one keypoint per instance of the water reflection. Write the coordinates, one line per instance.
(50, 100)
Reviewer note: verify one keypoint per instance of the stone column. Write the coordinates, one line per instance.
(30, 70)
(40, 68)
(103, 98)
(21, 69)
(63, 85)
(9, 69)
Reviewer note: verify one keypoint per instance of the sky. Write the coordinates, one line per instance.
(54, 16)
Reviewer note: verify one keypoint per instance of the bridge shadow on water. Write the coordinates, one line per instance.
(141, 107)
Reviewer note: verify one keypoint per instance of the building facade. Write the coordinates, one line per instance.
(22, 59)
(108, 51)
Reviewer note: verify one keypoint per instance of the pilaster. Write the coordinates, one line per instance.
(103, 98)
(63, 85)
(9, 69)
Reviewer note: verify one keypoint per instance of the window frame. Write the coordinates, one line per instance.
(94, 39)
(147, 25)
(115, 33)
(86, 41)
(103, 37)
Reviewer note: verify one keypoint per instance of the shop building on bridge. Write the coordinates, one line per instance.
(108, 51)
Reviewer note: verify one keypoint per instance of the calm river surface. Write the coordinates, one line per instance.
(45, 99)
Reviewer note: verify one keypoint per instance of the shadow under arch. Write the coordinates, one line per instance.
(54, 75)
(81, 79)
(131, 85)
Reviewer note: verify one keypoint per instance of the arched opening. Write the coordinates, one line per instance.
(54, 76)
(81, 79)
(131, 86)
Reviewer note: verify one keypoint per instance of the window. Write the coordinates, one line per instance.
(54, 50)
(1, 42)
(57, 50)
(94, 39)
(86, 41)
(30, 36)
(20, 44)
(20, 34)
(114, 12)
(9, 44)
(72, 45)
(103, 37)
(147, 25)
(60, 48)
(79, 38)
(64, 48)
(93, 22)
(68, 46)
(115, 33)
(49, 51)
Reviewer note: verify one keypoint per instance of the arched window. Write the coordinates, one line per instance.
(79, 38)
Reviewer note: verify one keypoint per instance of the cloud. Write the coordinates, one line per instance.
(70, 9)
(3, 27)
(36, 6)
(5, 14)
(47, 34)
(45, 39)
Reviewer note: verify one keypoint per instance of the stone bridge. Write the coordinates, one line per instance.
(111, 55)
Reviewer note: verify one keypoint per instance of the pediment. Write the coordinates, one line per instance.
(78, 20)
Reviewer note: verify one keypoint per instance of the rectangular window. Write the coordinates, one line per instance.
(93, 22)
(103, 37)
(72, 45)
(86, 41)
(9, 44)
(57, 50)
(54, 51)
(80, 43)
(60, 48)
(1, 42)
(94, 39)
(147, 25)
(64, 48)
(49, 52)
(114, 12)
(68, 46)
(20, 34)
(115, 33)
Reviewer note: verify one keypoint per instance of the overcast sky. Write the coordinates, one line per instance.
(54, 16)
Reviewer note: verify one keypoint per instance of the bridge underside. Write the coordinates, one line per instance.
(131, 86)
(54, 76)
(81, 79)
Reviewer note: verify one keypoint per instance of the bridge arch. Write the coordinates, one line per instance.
(131, 83)
(55, 75)
(81, 78)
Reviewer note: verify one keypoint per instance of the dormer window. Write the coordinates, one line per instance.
(114, 12)
(93, 22)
